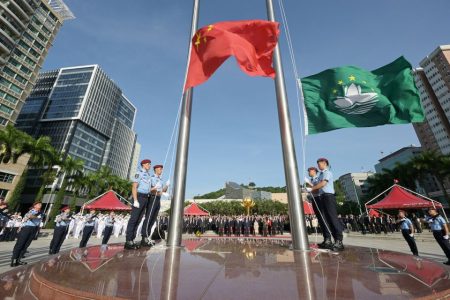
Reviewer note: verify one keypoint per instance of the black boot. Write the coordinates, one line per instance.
(13, 263)
(19, 262)
(146, 242)
(338, 246)
(327, 244)
(130, 245)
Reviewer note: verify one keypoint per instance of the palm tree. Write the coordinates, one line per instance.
(11, 140)
(71, 167)
(438, 165)
(78, 184)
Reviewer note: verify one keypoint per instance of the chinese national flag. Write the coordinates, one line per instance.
(250, 42)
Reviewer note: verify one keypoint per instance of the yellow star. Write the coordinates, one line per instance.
(210, 27)
(340, 82)
(351, 78)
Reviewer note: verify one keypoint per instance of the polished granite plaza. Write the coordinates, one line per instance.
(232, 268)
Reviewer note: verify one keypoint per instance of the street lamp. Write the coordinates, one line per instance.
(356, 193)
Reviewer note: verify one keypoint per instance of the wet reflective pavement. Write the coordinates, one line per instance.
(227, 269)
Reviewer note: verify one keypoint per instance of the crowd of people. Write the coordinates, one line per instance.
(241, 225)
(147, 190)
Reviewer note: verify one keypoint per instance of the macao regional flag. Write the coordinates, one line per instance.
(352, 97)
(251, 42)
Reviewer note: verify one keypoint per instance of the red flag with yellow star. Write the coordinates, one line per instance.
(250, 42)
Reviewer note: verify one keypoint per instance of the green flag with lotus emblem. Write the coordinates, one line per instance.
(349, 96)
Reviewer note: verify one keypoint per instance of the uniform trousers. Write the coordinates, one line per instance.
(87, 231)
(26, 235)
(329, 211)
(107, 234)
(151, 214)
(319, 211)
(411, 241)
(33, 237)
(59, 234)
(136, 216)
(445, 244)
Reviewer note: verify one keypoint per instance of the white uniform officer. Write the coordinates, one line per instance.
(140, 191)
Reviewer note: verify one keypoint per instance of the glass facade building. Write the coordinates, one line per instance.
(85, 114)
(27, 31)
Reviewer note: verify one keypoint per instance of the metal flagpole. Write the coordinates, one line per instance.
(296, 214)
(177, 203)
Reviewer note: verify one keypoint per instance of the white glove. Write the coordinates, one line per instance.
(136, 204)
(165, 195)
(168, 183)
(411, 234)
(446, 237)
(309, 190)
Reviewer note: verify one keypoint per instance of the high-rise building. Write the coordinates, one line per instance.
(354, 185)
(433, 82)
(27, 31)
(135, 160)
(86, 116)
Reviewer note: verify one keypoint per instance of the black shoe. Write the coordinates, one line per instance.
(20, 263)
(327, 244)
(13, 263)
(130, 245)
(447, 263)
(338, 246)
(146, 242)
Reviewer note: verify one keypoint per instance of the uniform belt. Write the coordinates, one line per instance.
(156, 194)
(143, 193)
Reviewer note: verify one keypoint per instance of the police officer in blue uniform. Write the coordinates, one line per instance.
(109, 226)
(440, 231)
(318, 207)
(31, 222)
(140, 191)
(328, 206)
(157, 187)
(89, 225)
(407, 228)
(59, 234)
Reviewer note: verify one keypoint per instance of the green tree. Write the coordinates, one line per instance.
(72, 168)
(14, 200)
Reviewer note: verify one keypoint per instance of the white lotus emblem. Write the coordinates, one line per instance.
(355, 102)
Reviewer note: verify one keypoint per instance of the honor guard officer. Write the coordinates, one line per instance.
(32, 221)
(440, 231)
(157, 187)
(407, 228)
(140, 191)
(88, 227)
(109, 225)
(328, 205)
(318, 207)
(59, 234)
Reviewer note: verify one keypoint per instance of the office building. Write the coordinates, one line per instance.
(27, 31)
(86, 115)
(433, 83)
(354, 185)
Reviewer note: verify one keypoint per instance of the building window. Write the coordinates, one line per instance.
(3, 193)
(6, 177)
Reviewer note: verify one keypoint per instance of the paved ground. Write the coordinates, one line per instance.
(428, 248)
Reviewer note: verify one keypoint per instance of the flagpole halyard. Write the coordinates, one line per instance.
(296, 214)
